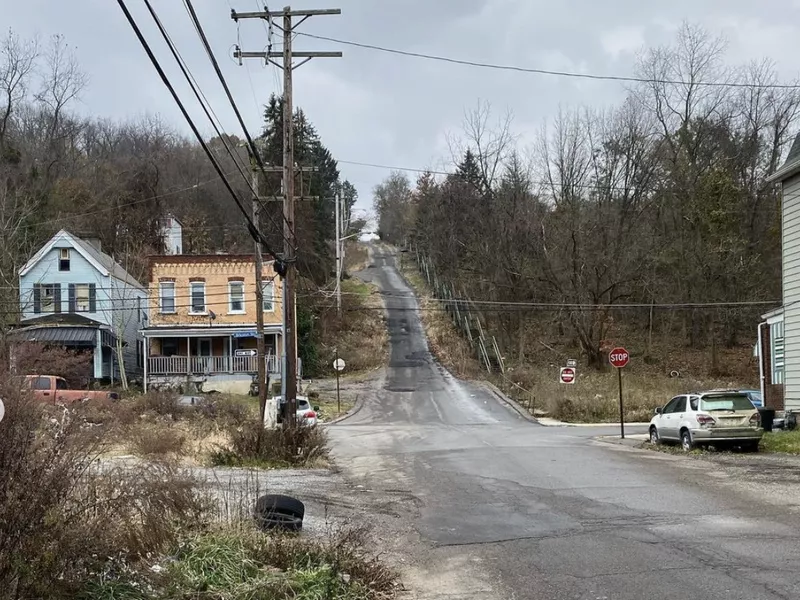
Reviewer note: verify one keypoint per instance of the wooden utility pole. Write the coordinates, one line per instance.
(260, 352)
(290, 239)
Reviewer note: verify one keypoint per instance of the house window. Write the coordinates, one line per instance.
(47, 298)
(776, 339)
(197, 291)
(169, 347)
(82, 297)
(268, 290)
(167, 297)
(63, 259)
(236, 297)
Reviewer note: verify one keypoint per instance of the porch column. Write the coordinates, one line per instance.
(145, 348)
(188, 356)
(230, 353)
(98, 355)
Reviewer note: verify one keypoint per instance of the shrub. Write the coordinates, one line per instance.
(251, 444)
(32, 358)
(64, 513)
(155, 440)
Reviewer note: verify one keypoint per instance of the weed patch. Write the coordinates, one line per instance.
(252, 445)
(783, 442)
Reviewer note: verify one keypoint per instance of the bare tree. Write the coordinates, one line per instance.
(17, 62)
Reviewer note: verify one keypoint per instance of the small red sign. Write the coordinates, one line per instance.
(567, 375)
(619, 357)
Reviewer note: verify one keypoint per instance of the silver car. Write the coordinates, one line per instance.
(708, 418)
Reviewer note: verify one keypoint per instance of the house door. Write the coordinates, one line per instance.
(204, 347)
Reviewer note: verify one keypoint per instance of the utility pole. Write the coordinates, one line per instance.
(290, 239)
(260, 352)
(338, 201)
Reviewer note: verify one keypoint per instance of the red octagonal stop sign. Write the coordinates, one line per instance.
(619, 357)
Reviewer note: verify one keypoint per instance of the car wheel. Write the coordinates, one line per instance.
(654, 439)
(686, 440)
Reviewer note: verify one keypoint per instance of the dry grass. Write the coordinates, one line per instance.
(356, 256)
(251, 445)
(361, 336)
(63, 518)
(594, 397)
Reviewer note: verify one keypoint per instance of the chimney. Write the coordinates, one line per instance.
(95, 242)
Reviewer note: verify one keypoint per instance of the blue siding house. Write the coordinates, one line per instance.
(74, 295)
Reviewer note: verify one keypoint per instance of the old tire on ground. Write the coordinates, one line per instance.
(686, 440)
(279, 521)
(654, 439)
(276, 511)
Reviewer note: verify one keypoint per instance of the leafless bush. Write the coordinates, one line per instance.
(62, 516)
(32, 358)
(156, 440)
(252, 444)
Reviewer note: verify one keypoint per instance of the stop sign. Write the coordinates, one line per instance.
(619, 357)
(567, 375)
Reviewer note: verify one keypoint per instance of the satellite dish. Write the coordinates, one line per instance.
(212, 314)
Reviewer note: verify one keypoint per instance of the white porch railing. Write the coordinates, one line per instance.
(208, 365)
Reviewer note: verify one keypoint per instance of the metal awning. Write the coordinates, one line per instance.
(67, 336)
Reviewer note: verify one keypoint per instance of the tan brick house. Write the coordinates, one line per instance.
(202, 322)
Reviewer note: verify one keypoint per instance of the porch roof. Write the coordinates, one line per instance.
(64, 335)
(213, 331)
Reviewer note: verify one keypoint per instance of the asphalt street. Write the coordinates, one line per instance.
(504, 508)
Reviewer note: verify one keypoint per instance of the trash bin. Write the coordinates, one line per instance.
(767, 418)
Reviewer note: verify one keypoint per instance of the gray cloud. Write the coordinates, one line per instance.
(382, 108)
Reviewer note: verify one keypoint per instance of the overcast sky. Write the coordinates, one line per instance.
(393, 110)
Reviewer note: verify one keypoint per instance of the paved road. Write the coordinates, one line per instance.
(507, 509)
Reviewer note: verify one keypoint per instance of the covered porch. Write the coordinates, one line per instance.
(74, 332)
(209, 352)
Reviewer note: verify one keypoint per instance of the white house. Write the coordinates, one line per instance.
(74, 295)
(789, 177)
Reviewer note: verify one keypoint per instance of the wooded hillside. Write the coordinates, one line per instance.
(614, 225)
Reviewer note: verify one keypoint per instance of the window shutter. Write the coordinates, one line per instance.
(37, 298)
(92, 297)
(57, 298)
(72, 303)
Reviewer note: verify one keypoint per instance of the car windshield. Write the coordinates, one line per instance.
(303, 405)
(726, 402)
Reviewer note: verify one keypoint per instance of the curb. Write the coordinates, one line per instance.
(356, 407)
(616, 441)
(513, 405)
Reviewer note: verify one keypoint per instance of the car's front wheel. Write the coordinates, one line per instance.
(686, 440)
(654, 439)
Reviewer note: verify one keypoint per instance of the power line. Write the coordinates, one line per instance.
(216, 123)
(484, 65)
(251, 144)
(253, 230)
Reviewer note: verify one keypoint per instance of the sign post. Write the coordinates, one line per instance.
(338, 366)
(619, 359)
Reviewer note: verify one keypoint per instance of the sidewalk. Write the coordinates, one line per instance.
(633, 440)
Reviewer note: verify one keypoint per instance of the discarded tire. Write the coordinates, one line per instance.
(275, 511)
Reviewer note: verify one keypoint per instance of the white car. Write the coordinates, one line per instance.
(715, 418)
(306, 414)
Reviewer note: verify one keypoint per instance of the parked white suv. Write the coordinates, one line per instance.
(715, 418)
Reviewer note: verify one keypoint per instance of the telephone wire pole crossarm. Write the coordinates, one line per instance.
(290, 238)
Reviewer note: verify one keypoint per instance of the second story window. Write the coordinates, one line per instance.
(167, 297)
(269, 296)
(236, 297)
(197, 291)
(63, 259)
(82, 297)
(47, 298)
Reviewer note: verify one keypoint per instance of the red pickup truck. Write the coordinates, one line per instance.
(50, 388)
